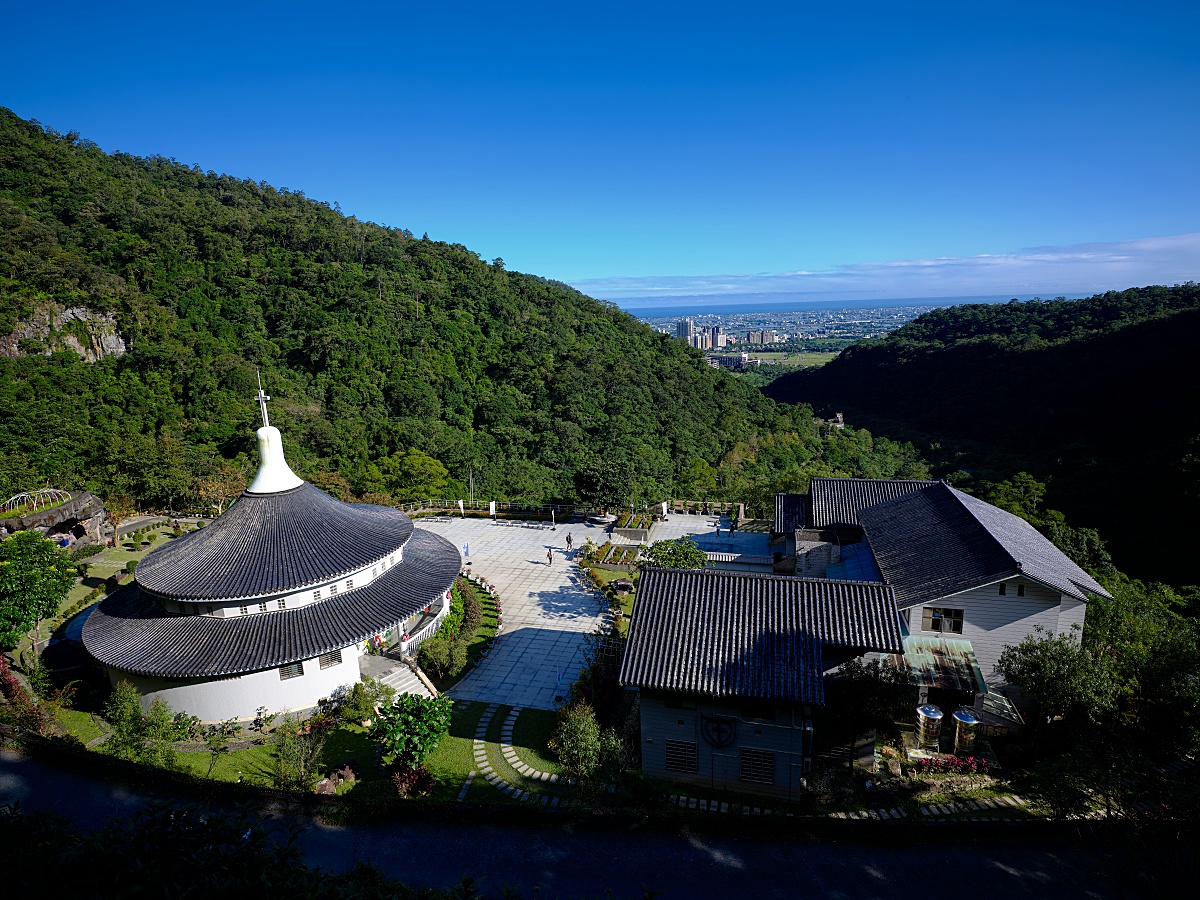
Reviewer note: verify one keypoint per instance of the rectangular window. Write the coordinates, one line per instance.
(332, 658)
(757, 766)
(332, 589)
(295, 670)
(349, 585)
(282, 603)
(1003, 589)
(1020, 590)
(316, 595)
(243, 610)
(375, 573)
(681, 756)
(262, 607)
(944, 621)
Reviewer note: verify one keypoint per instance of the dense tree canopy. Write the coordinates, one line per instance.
(391, 358)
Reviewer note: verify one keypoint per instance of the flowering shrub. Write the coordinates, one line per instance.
(952, 765)
(26, 711)
(412, 781)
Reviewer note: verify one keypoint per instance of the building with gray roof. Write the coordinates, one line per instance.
(273, 603)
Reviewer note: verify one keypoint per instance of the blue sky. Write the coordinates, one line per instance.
(661, 149)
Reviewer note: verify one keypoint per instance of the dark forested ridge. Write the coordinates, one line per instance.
(400, 367)
(1097, 397)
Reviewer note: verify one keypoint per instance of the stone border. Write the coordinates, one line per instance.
(490, 775)
(510, 754)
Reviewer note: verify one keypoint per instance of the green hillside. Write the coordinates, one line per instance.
(1096, 397)
(399, 366)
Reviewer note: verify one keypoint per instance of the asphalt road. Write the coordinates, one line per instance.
(565, 861)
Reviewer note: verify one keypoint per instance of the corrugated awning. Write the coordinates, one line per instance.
(942, 662)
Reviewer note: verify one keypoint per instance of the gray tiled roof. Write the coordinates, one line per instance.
(735, 634)
(791, 512)
(269, 543)
(836, 502)
(940, 541)
(131, 632)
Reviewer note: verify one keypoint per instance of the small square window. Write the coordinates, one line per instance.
(316, 595)
(262, 607)
(295, 670)
(282, 603)
(243, 610)
(349, 585)
(332, 589)
(375, 573)
(330, 659)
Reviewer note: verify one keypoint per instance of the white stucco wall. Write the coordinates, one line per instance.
(217, 699)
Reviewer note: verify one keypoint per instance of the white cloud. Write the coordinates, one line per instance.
(1083, 268)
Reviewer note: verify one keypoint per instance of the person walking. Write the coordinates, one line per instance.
(568, 541)
(550, 557)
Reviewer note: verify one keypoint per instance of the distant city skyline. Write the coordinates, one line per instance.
(871, 150)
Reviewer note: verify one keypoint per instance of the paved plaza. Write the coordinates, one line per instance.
(548, 609)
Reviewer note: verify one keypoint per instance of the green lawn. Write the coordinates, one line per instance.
(454, 757)
(251, 765)
(530, 736)
(81, 724)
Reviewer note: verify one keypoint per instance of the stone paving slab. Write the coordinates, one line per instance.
(548, 609)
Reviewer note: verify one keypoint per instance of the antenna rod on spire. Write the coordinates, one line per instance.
(262, 399)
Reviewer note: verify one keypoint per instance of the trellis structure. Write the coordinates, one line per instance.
(43, 498)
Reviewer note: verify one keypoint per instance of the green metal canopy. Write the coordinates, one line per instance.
(941, 662)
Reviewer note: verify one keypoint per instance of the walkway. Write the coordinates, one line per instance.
(548, 609)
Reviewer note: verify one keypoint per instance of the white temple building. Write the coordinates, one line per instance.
(273, 603)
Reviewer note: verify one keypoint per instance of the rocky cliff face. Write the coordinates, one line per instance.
(93, 335)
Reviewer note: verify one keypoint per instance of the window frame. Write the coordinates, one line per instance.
(324, 659)
(291, 670)
(941, 615)
(683, 754)
(754, 763)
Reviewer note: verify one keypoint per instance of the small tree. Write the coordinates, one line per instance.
(1057, 674)
(681, 553)
(412, 727)
(297, 751)
(139, 736)
(34, 579)
(590, 755)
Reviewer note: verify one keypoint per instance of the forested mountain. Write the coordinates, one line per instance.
(1097, 397)
(400, 367)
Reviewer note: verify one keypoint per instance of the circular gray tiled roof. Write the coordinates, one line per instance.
(131, 632)
(271, 543)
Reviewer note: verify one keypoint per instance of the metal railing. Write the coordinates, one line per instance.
(407, 648)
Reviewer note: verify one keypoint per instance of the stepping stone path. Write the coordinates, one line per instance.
(510, 754)
(493, 778)
(1001, 809)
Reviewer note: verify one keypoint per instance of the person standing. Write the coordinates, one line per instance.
(550, 557)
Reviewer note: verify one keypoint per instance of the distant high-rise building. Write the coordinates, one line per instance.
(685, 329)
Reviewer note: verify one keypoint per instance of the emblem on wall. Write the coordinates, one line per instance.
(718, 731)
